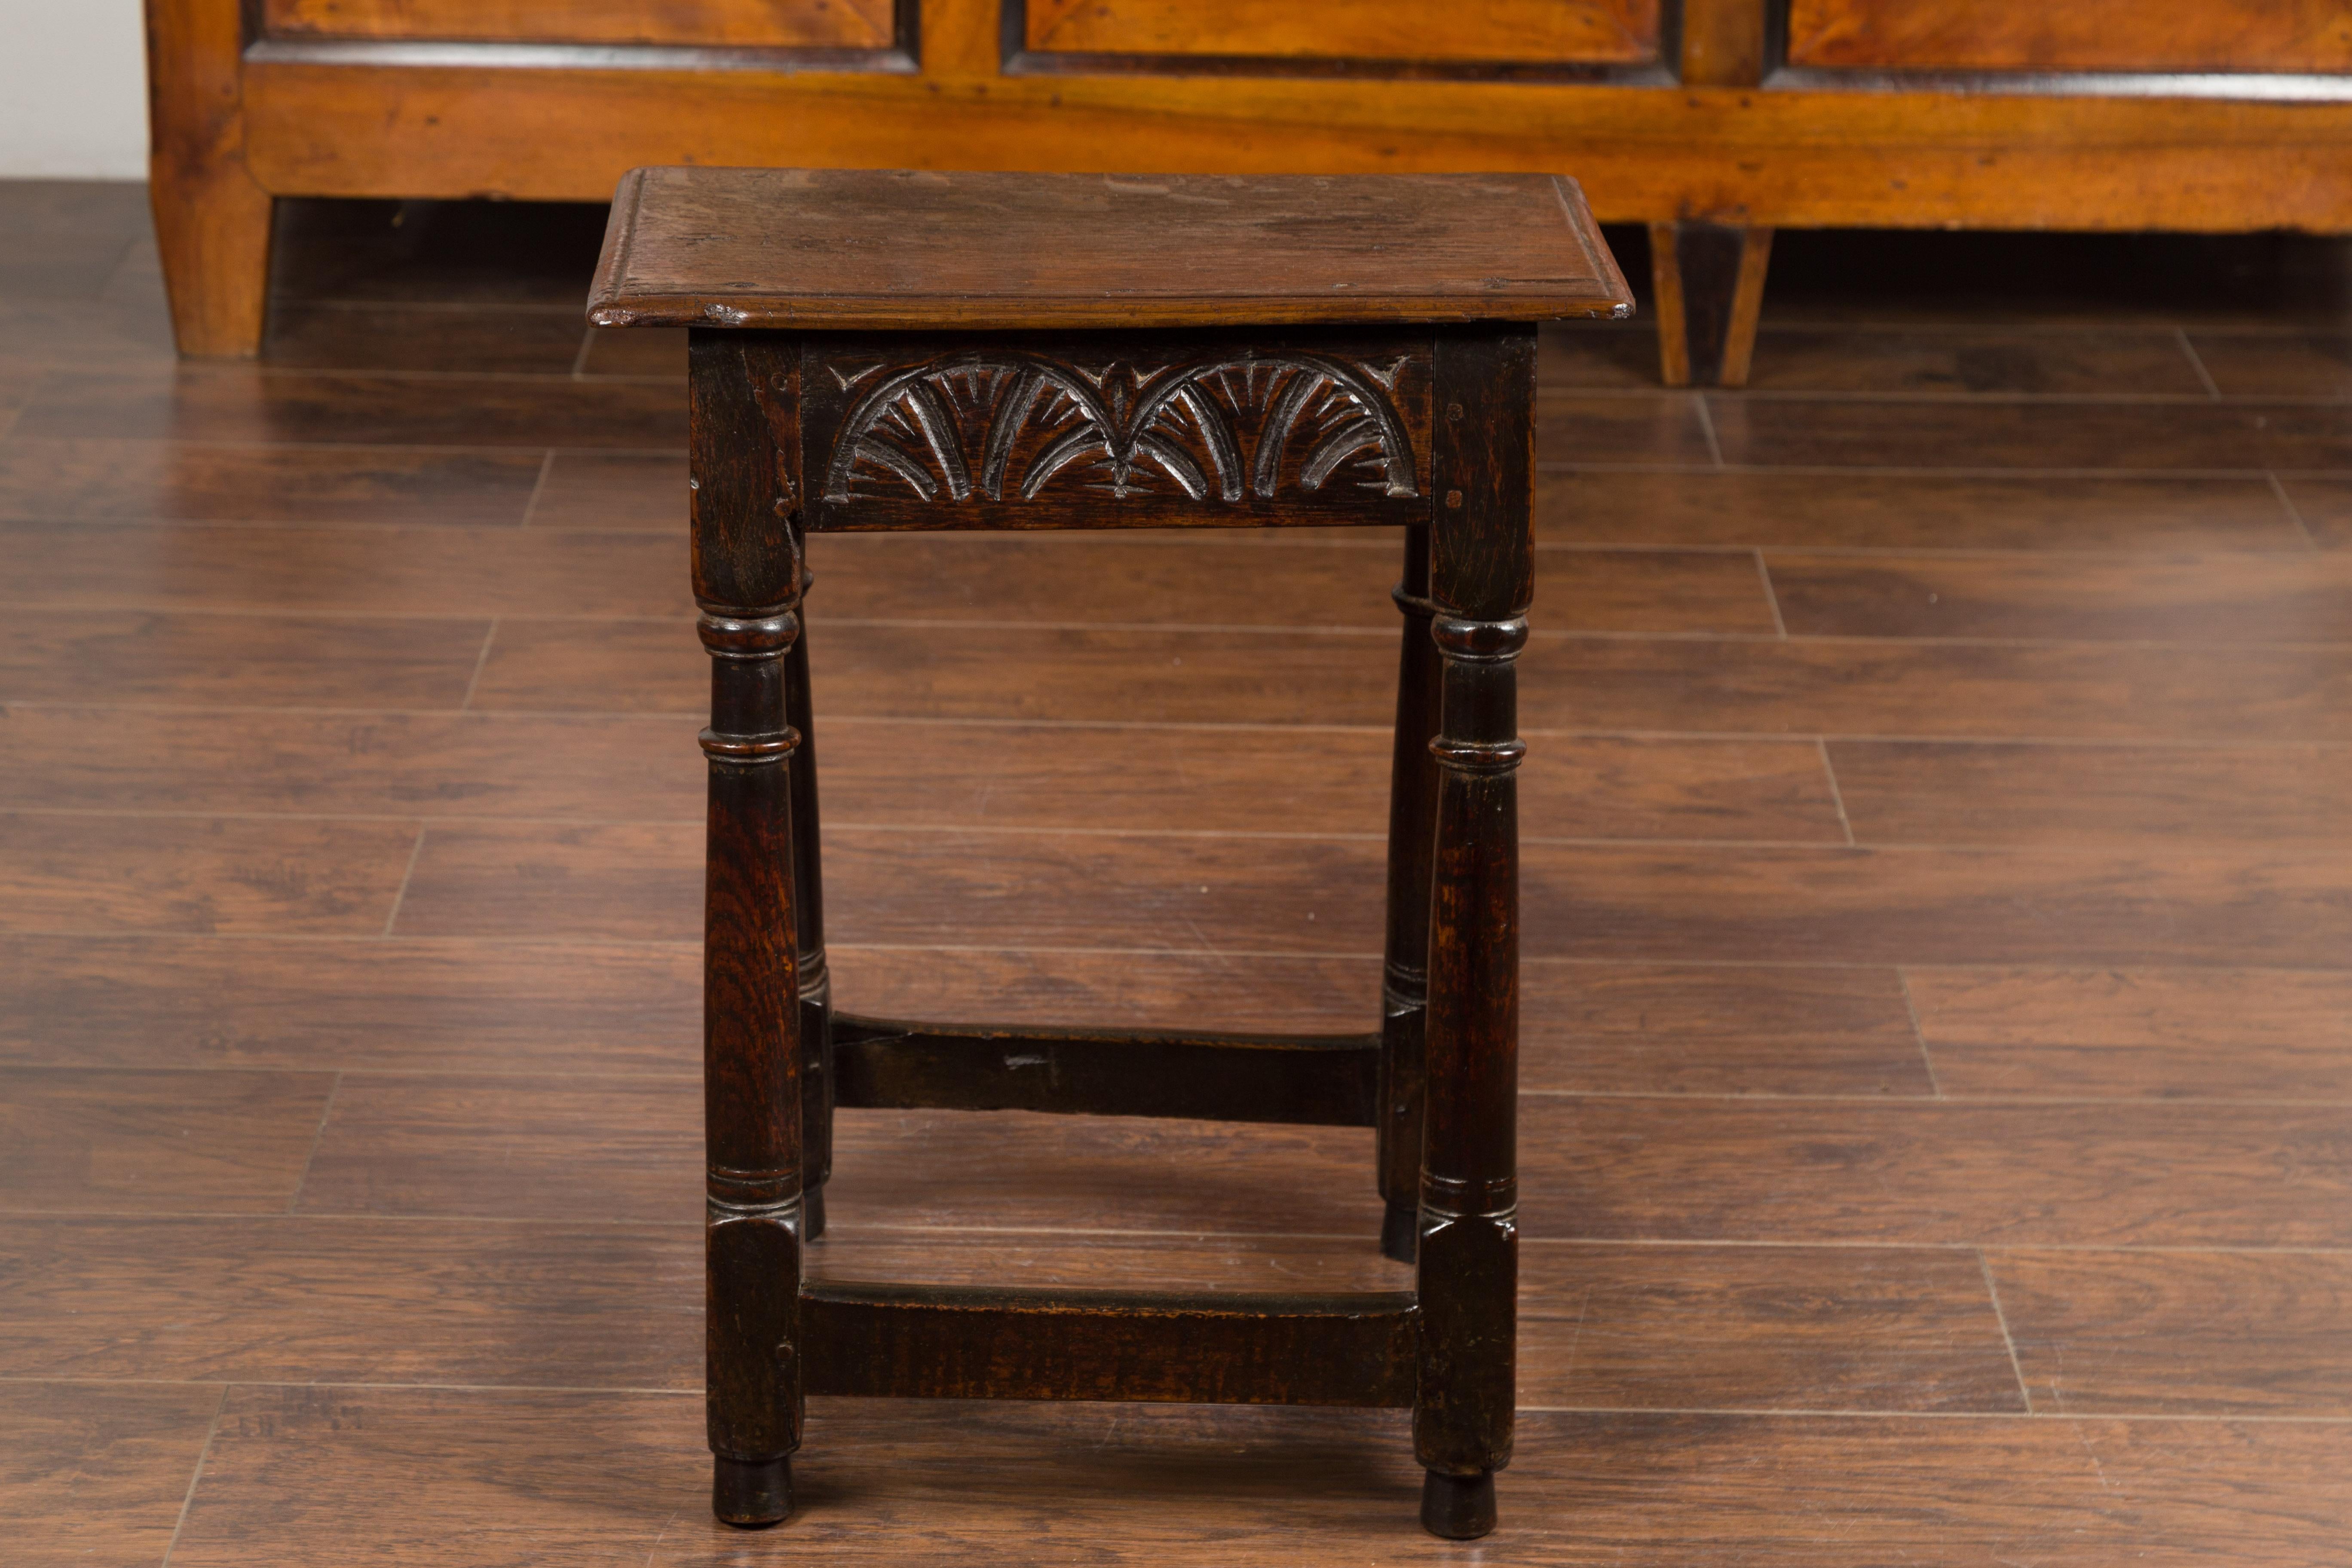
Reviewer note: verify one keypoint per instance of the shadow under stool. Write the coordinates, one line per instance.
(899, 351)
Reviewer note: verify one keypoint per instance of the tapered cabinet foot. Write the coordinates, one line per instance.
(1708, 283)
(1400, 1233)
(1457, 1508)
(753, 1493)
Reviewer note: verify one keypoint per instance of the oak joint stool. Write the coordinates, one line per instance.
(896, 350)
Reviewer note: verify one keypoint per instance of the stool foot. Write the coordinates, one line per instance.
(1457, 1508)
(1400, 1232)
(813, 1214)
(752, 1493)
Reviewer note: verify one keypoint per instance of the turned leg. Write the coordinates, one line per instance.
(1404, 986)
(212, 220)
(808, 913)
(1482, 578)
(1709, 282)
(746, 576)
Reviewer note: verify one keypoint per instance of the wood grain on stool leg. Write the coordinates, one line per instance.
(1709, 280)
(747, 579)
(808, 913)
(1482, 579)
(1404, 989)
(211, 221)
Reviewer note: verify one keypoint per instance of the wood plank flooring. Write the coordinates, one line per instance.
(1937, 1085)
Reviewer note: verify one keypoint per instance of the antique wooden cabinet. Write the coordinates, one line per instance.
(1718, 120)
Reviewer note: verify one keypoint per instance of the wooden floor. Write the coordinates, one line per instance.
(1937, 1131)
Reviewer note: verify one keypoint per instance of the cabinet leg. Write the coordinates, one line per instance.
(1709, 280)
(1404, 987)
(1481, 581)
(212, 220)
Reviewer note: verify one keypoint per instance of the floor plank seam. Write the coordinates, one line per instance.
(1706, 424)
(318, 1137)
(1918, 1033)
(2293, 513)
(196, 1477)
(537, 488)
(2009, 1340)
(415, 853)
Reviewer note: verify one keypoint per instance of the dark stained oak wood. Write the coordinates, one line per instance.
(993, 1342)
(103, 478)
(2268, 599)
(1216, 428)
(2058, 795)
(2133, 1033)
(1321, 1080)
(2180, 1334)
(1914, 511)
(235, 876)
(81, 1141)
(842, 249)
(759, 1211)
(94, 1474)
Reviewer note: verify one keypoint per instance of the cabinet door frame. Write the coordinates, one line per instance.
(2254, 86)
(1019, 60)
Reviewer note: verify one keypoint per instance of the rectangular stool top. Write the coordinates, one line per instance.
(828, 249)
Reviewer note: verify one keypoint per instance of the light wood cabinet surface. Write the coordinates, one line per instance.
(1715, 120)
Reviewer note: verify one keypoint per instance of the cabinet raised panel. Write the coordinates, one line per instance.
(1539, 32)
(2072, 34)
(746, 24)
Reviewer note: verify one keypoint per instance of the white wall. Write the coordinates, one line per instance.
(73, 90)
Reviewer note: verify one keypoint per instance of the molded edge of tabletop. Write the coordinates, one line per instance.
(613, 302)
